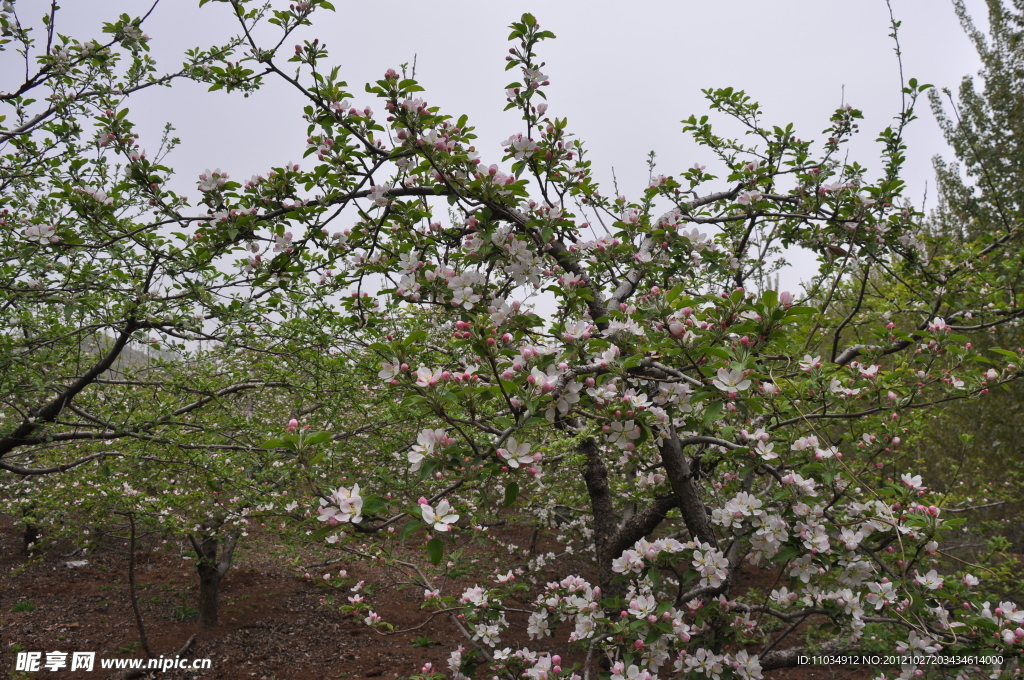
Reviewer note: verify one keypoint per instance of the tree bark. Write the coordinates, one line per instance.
(612, 535)
(595, 475)
(211, 569)
(681, 478)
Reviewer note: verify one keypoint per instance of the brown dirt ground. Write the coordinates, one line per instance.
(274, 623)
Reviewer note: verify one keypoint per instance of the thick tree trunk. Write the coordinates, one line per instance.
(209, 586)
(211, 568)
(612, 534)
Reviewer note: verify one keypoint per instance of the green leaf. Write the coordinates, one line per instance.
(633, 361)
(321, 533)
(409, 527)
(318, 438)
(435, 550)
(712, 412)
(511, 493)
(428, 468)
(674, 293)
(374, 504)
(786, 554)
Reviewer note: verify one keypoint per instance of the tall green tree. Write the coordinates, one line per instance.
(981, 198)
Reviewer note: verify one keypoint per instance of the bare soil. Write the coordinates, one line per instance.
(275, 624)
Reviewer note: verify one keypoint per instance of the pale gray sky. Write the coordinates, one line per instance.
(624, 73)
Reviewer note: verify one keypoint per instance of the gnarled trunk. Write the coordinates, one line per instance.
(612, 534)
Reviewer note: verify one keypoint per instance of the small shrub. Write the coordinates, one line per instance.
(23, 606)
(183, 613)
(423, 641)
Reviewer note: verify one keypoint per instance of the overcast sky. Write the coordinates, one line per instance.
(624, 73)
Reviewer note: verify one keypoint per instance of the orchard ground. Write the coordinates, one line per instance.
(275, 624)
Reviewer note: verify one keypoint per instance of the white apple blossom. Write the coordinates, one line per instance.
(731, 381)
(622, 434)
(913, 481)
(389, 370)
(426, 440)
(425, 377)
(809, 363)
(41, 234)
(442, 518)
(515, 454)
(931, 580)
(211, 181)
(345, 505)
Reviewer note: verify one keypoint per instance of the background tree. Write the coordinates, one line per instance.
(981, 195)
(92, 278)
